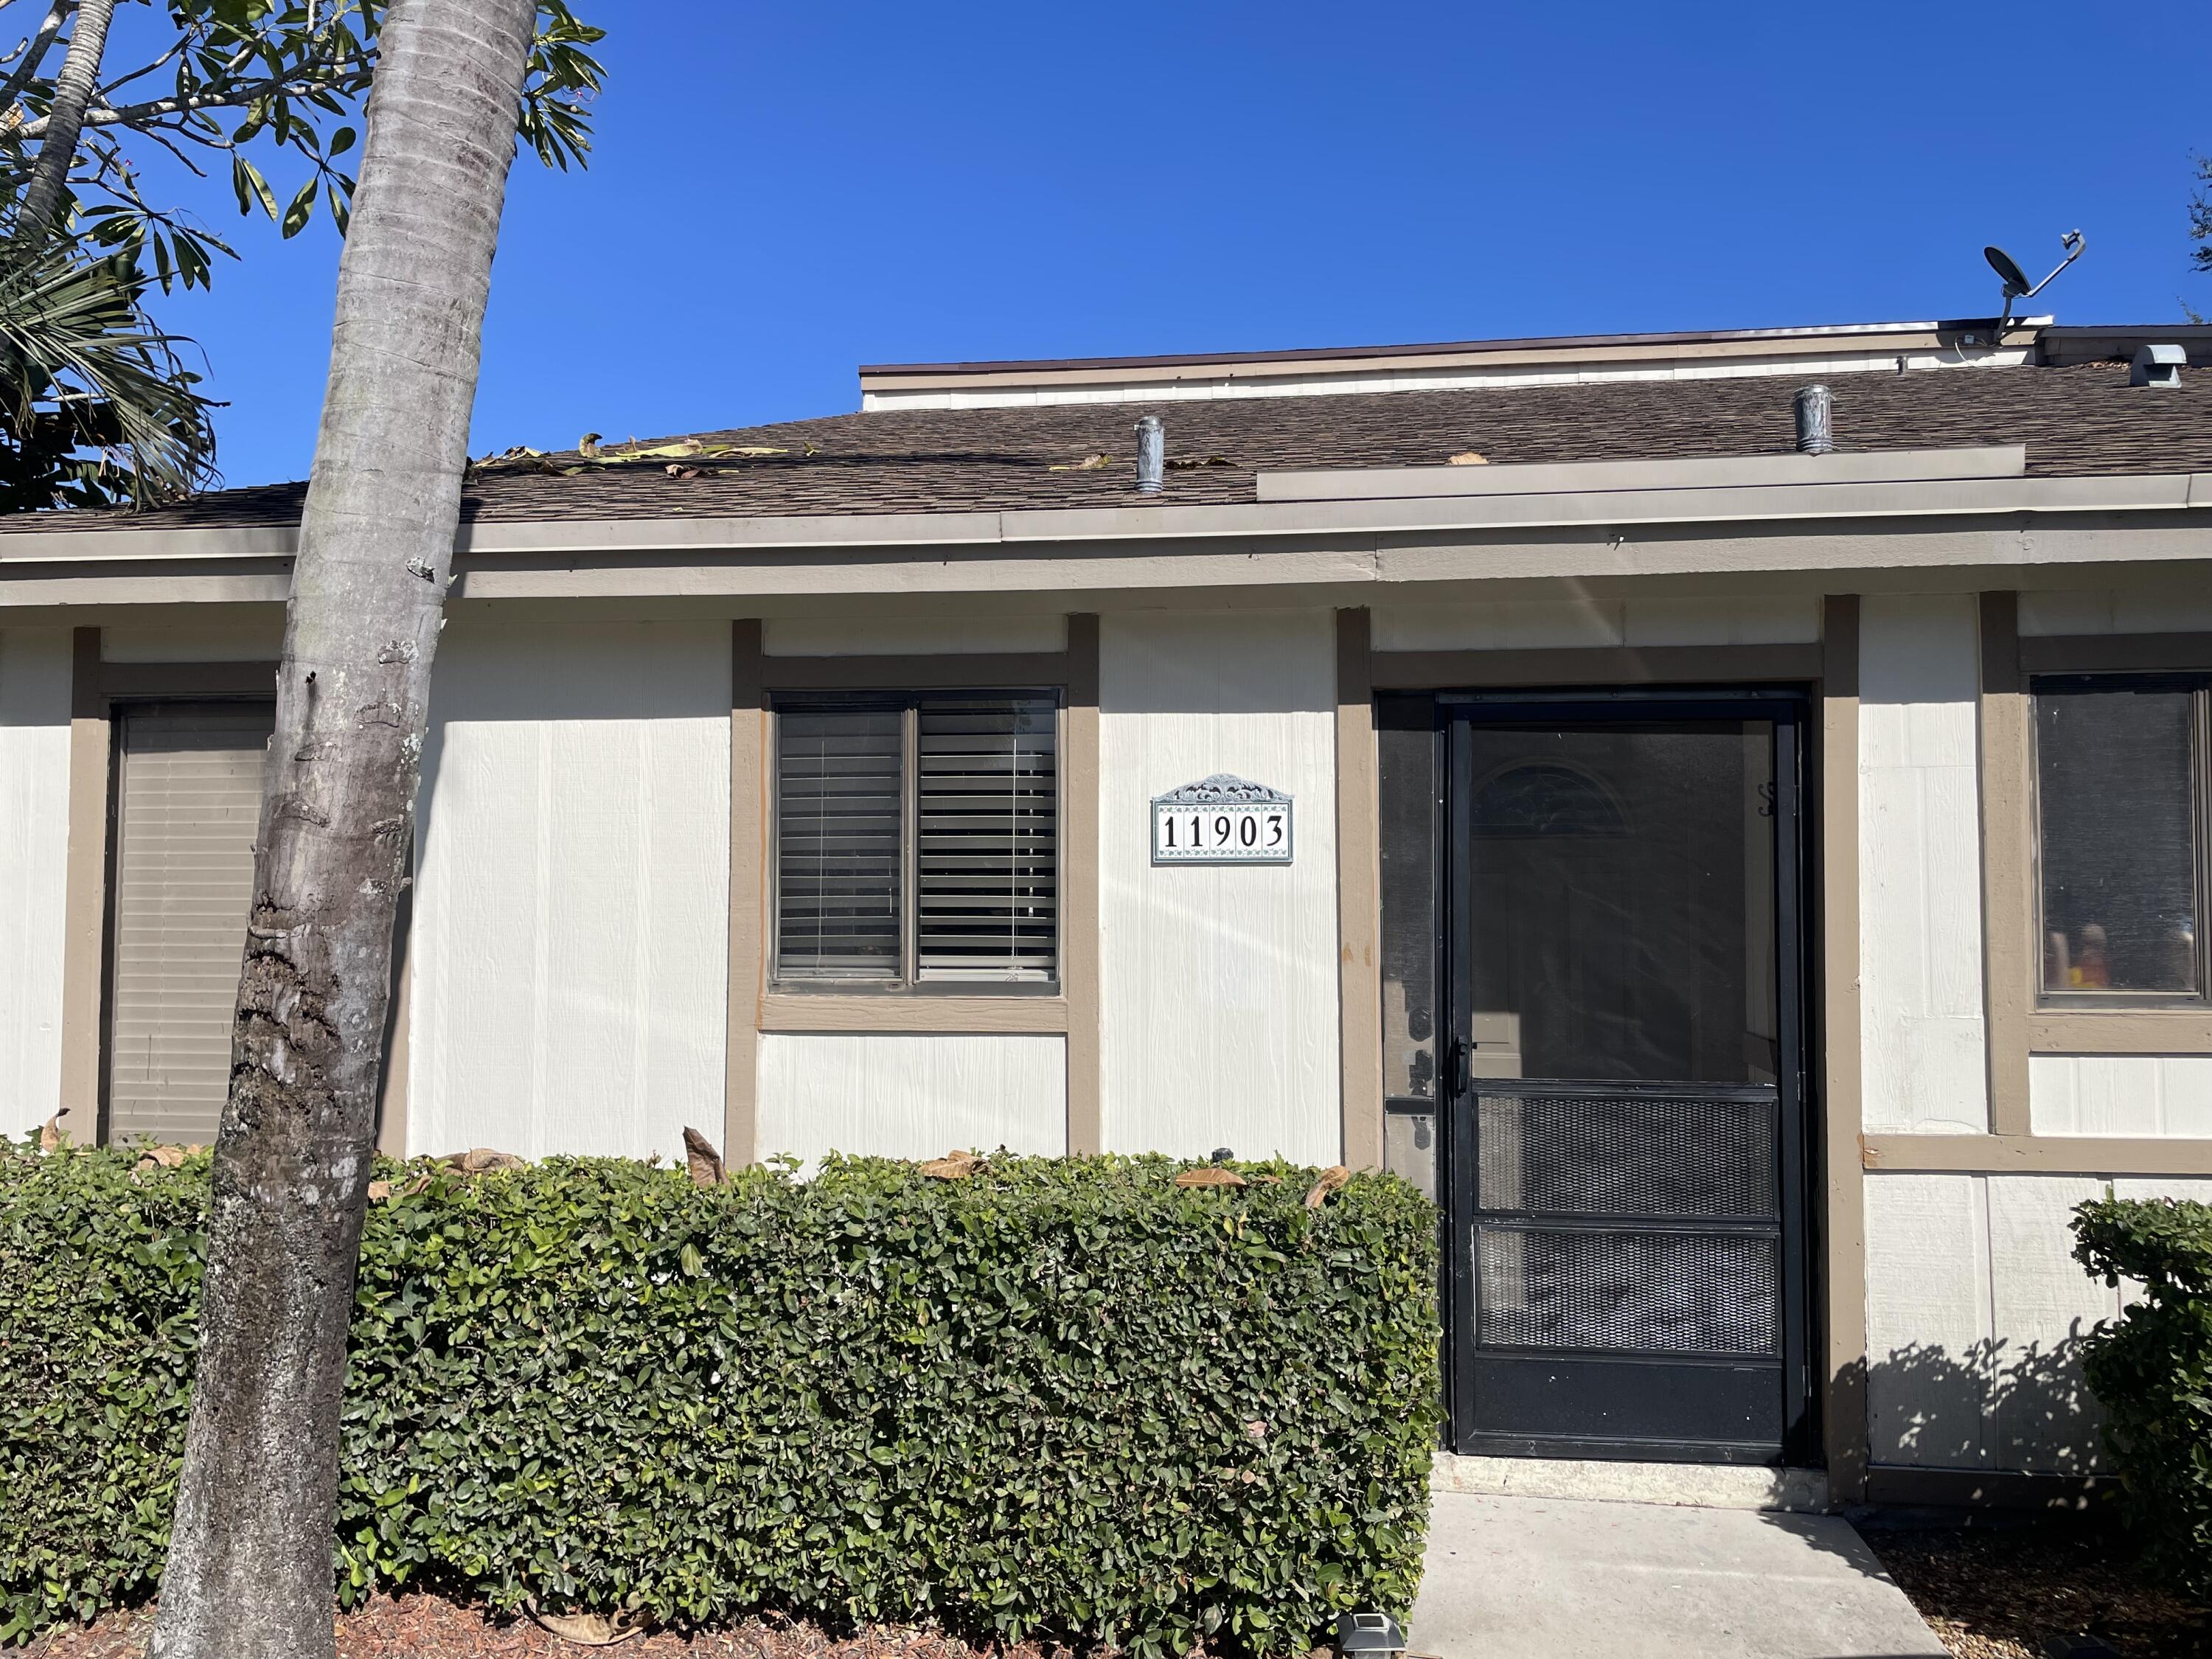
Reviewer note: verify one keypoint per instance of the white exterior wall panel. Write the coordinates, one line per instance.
(913, 1096)
(34, 766)
(1219, 984)
(570, 937)
(1975, 1309)
(2143, 1095)
(1923, 1054)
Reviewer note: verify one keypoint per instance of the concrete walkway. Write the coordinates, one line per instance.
(1534, 1577)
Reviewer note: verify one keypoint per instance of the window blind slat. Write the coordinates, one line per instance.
(986, 853)
(838, 843)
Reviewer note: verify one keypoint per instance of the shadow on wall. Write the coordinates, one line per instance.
(1997, 1405)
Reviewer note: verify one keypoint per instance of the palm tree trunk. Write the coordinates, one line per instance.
(250, 1567)
(73, 90)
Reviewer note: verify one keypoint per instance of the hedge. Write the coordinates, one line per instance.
(2151, 1369)
(1058, 1398)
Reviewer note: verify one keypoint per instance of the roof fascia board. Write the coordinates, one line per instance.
(1572, 477)
(891, 532)
(1596, 348)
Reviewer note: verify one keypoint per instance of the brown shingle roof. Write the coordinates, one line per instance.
(2079, 420)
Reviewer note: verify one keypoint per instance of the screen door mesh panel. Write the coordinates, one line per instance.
(1626, 1153)
(188, 804)
(1613, 1290)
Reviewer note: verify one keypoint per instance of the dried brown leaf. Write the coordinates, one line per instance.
(1088, 464)
(590, 1630)
(1470, 457)
(379, 1191)
(1209, 1175)
(1187, 462)
(1331, 1179)
(953, 1166)
(479, 1159)
(702, 1160)
(50, 1135)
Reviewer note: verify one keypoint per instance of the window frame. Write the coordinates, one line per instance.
(908, 702)
(2198, 686)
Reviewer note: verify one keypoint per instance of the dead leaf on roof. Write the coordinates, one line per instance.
(1185, 462)
(701, 1160)
(953, 1166)
(1088, 464)
(1470, 457)
(588, 445)
(1209, 1175)
(1332, 1179)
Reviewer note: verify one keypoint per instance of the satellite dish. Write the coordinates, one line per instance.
(2016, 279)
(2016, 285)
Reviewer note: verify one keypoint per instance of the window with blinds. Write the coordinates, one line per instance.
(917, 839)
(187, 806)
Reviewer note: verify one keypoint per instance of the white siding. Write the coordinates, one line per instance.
(2180, 607)
(1218, 984)
(1920, 902)
(1975, 1312)
(909, 636)
(34, 765)
(570, 943)
(2120, 1094)
(1526, 624)
(911, 1096)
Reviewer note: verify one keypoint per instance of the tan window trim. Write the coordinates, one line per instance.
(1358, 895)
(2022, 1154)
(2021, 1022)
(754, 1006)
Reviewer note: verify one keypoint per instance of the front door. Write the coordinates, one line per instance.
(1627, 1167)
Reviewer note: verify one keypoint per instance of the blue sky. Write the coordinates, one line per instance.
(779, 194)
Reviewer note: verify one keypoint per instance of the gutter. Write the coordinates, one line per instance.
(1133, 525)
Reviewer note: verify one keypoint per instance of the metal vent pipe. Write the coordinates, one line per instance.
(1152, 455)
(1813, 406)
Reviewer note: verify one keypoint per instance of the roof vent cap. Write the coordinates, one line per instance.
(2157, 364)
(1152, 455)
(1813, 406)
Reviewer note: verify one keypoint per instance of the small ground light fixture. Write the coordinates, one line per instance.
(2016, 285)
(1369, 1636)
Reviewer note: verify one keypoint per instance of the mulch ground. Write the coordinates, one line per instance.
(429, 1627)
(2000, 1593)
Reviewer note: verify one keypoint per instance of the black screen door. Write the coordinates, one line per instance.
(1628, 1153)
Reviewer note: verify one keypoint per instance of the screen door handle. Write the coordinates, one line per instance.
(1462, 1067)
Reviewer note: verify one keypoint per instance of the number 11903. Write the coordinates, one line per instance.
(1221, 835)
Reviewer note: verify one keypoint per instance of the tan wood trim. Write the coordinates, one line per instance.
(84, 897)
(1836, 925)
(749, 789)
(187, 679)
(2113, 654)
(858, 1013)
(916, 673)
(2010, 958)
(2078, 1155)
(1358, 895)
(1602, 665)
(2119, 1031)
(1909, 1488)
(1079, 902)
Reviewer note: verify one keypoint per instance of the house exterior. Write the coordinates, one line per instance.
(1757, 893)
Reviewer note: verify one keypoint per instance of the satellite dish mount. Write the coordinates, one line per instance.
(2016, 286)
